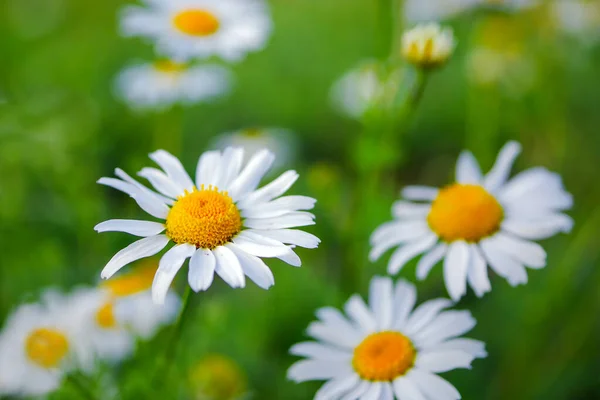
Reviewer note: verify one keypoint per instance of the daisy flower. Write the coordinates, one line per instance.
(223, 222)
(427, 45)
(165, 83)
(280, 142)
(386, 350)
(184, 29)
(475, 222)
(218, 377)
(40, 343)
(579, 18)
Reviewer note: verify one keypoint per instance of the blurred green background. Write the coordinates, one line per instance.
(61, 129)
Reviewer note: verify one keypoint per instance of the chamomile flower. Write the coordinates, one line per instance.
(223, 222)
(579, 18)
(185, 29)
(427, 45)
(40, 343)
(165, 83)
(478, 220)
(218, 377)
(280, 142)
(387, 350)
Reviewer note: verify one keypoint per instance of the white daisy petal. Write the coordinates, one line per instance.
(168, 267)
(254, 267)
(330, 334)
(407, 252)
(424, 314)
(231, 160)
(501, 169)
(544, 228)
(310, 370)
(538, 186)
(405, 297)
(358, 391)
(319, 351)
(373, 392)
(428, 261)
(202, 270)
(526, 252)
(290, 236)
(229, 268)
(443, 361)
(387, 391)
(289, 220)
(270, 191)
(118, 184)
(259, 247)
(291, 258)
(336, 387)
(467, 169)
(432, 386)
(474, 347)
(173, 167)
(406, 209)
(445, 326)
(503, 264)
(455, 269)
(477, 274)
(161, 182)
(419, 193)
(251, 175)
(396, 237)
(207, 170)
(141, 249)
(336, 320)
(405, 389)
(278, 207)
(133, 227)
(357, 310)
(400, 228)
(141, 189)
(380, 300)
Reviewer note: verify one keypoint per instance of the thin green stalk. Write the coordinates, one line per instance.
(85, 392)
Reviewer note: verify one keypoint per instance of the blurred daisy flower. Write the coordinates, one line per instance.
(578, 18)
(434, 10)
(185, 29)
(360, 89)
(223, 222)
(165, 83)
(427, 45)
(386, 350)
(478, 220)
(280, 142)
(41, 343)
(217, 377)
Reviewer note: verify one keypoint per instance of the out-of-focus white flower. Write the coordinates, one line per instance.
(427, 45)
(40, 343)
(578, 18)
(222, 222)
(281, 142)
(434, 10)
(359, 89)
(185, 29)
(164, 83)
(478, 221)
(387, 350)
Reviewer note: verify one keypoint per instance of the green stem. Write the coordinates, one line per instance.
(81, 388)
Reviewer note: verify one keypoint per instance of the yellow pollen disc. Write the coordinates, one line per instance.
(465, 212)
(134, 282)
(169, 66)
(46, 347)
(196, 22)
(383, 356)
(105, 316)
(205, 218)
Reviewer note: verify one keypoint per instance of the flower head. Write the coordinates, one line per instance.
(185, 29)
(40, 343)
(217, 377)
(478, 220)
(427, 45)
(223, 222)
(165, 83)
(386, 350)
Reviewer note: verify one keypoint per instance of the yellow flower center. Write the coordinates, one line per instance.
(465, 212)
(105, 316)
(169, 67)
(46, 347)
(196, 22)
(205, 218)
(383, 356)
(133, 282)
